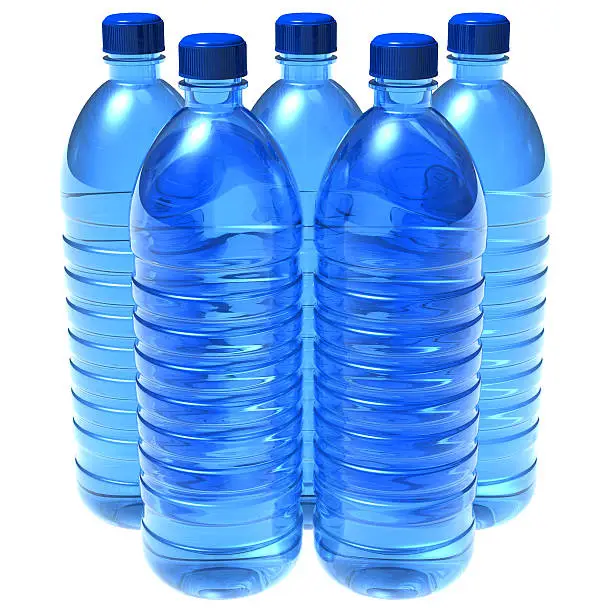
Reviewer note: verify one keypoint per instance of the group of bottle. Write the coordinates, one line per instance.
(282, 314)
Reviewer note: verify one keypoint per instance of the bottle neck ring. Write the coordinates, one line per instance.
(478, 68)
(403, 96)
(213, 96)
(134, 69)
(306, 68)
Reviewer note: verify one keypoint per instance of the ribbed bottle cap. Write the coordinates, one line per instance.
(132, 34)
(212, 57)
(479, 34)
(404, 57)
(306, 33)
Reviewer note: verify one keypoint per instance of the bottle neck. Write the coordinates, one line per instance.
(134, 69)
(306, 68)
(403, 96)
(478, 68)
(213, 96)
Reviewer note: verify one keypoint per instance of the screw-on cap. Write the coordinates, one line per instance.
(306, 33)
(132, 34)
(212, 57)
(479, 34)
(404, 57)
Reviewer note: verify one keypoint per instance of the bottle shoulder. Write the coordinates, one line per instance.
(495, 104)
(116, 108)
(113, 132)
(236, 135)
(500, 131)
(285, 104)
(423, 137)
(308, 122)
(224, 159)
(414, 161)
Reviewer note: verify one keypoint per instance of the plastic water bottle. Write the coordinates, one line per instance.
(400, 230)
(216, 230)
(107, 146)
(506, 144)
(308, 113)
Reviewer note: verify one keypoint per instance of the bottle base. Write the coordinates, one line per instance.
(213, 577)
(394, 578)
(119, 510)
(496, 509)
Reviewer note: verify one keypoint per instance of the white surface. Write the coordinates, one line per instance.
(57, 554)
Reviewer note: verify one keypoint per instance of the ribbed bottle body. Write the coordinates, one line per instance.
(308, 115)
(507, 147)
(107, 146)
(400, 230)
(216, 232)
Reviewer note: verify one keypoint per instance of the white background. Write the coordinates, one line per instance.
(556, 555)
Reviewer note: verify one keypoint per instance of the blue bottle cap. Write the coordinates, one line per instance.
(132, 34)
(306, 33)
(479, 34)
(212, 57)
(404, 57)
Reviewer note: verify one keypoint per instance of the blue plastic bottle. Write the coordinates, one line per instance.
(216, 230)
(506, 144)
(308, 113)
(107, 146)
(400, 230)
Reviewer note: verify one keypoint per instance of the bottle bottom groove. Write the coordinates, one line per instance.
(219, 576)
(395, 576)
(308, 506)
(496, 509)
(119, 510)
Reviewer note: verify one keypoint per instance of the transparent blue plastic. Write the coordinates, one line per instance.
(400, 231)
(308, 114)
(506, 144)
(216, 231)
(107, 146)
